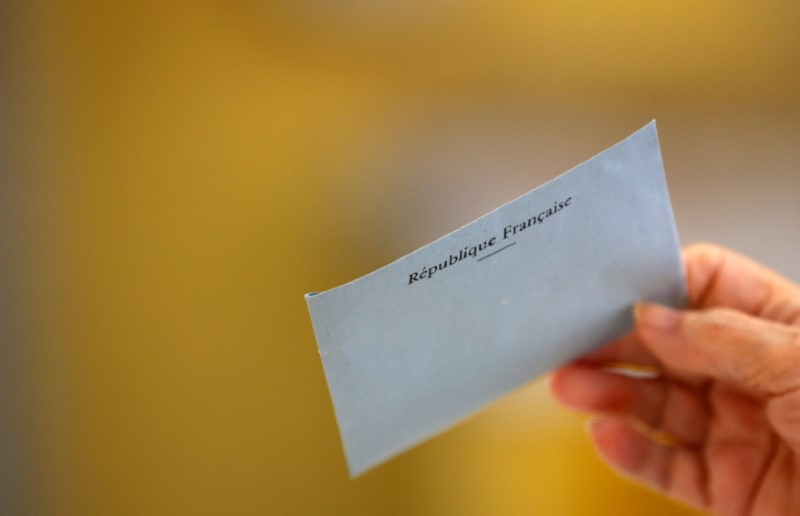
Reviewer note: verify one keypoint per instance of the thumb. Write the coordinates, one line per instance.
(762, 357)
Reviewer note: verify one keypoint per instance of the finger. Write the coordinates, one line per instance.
(763, 357)
(627, 349)
(778, 493)
(628, 355)
(738, 451)
(718, 277)
(783, 413)
(660, 405)
(677, 472)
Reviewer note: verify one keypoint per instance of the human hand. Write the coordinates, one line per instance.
(718, 427)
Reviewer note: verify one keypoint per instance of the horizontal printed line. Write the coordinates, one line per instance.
(495, 252)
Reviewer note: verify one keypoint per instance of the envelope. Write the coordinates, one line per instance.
(416, 346)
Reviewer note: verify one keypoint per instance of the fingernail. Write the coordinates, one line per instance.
(657, 317)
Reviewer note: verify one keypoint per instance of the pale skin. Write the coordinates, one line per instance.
(718, 428)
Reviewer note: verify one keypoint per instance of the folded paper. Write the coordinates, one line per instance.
(420, 344)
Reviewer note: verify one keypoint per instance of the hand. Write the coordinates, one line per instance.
(718, 424)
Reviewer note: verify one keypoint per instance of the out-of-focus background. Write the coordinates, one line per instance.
(176, 175)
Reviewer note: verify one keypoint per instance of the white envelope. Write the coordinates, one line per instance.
(420, 344)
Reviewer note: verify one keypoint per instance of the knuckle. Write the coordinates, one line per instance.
(717, 323)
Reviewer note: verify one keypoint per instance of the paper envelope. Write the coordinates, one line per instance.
(422, 343)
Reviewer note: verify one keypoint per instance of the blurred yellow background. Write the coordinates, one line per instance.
(176, 175)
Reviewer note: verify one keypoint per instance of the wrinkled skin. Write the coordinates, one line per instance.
(717, 426)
